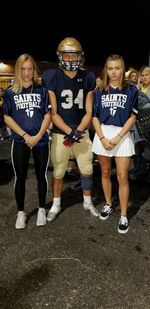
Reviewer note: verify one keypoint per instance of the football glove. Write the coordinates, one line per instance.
(73, 137)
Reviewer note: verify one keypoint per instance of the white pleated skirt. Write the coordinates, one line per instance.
(125, 148)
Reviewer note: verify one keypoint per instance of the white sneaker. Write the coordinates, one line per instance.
(54, 211)
(91, 208)
(41, 217)
(21, 220)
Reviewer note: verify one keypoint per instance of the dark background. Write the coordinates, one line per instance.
(101, 27)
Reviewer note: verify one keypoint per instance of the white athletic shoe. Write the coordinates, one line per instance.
(41, 217)
(21, 220)
(53, 212)
(91, 208)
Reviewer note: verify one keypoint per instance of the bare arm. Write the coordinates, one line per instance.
(45, 124)
(111, 143)
(97, 127)
(105, 141)
(33, 140)
(125, 129)
(86, 120)
(29, 140)
(128, 125)
(13, 125)
(56, 119)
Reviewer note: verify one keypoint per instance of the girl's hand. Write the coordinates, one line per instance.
(116, 140)
(107, 144)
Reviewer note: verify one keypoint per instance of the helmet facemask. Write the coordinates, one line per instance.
(68, 63)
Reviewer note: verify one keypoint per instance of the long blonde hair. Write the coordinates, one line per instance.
(17, 84)
(113, 57)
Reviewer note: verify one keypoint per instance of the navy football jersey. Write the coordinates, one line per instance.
(27, 108)
(115, 106)
(70, 94)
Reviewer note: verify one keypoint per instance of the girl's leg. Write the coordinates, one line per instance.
(20, 154)
(105, 164)
(122, 165)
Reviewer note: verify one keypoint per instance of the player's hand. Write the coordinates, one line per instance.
(73, 137)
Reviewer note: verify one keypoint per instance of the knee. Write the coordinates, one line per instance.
(122, 179)
(58, 173)
(87, 169)
(106, 173)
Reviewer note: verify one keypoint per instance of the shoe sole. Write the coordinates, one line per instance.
(105, 218)
(41, 224)
(94, 215)
(20, 228)
(53, 218)
(50, 220)
(123, 231)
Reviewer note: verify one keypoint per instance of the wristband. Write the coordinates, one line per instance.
(120, 136)
(24, 134)
(102, 138)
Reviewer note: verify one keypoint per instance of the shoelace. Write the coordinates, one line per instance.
(106, 208)
(123, 220)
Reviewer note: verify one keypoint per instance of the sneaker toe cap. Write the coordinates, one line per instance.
(51, 216)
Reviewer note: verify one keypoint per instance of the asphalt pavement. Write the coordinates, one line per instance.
(77, 261)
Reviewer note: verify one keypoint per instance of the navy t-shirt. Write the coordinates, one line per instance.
(115, 106)
(27, 108)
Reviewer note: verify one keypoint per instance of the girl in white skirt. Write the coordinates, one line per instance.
(114, 113)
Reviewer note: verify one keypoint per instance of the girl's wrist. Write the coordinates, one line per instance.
(102, 138)
(24, 134)
(120, 135)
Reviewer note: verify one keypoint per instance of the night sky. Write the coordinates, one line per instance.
(109, 28)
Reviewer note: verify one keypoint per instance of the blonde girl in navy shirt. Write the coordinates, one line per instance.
(114, 113)
(27, 112)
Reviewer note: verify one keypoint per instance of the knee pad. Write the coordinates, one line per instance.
(86, 182)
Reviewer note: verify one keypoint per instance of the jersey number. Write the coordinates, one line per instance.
(68, 96)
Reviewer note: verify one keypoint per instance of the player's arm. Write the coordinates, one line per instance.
(86, 120)
(56, 119)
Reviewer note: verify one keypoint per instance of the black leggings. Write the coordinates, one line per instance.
(20, 160)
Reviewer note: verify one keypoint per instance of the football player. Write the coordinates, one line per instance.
(71, 93)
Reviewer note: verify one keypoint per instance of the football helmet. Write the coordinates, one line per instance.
(70, 46)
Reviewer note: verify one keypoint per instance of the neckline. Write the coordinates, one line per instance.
(31, 86)
(114, 87)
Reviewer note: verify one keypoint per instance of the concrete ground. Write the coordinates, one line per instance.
(76, 261)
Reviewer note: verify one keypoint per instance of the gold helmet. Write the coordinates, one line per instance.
(70, 45)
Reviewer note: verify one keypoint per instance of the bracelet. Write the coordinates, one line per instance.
(120, 136)
(24, 134)
(102, 138)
